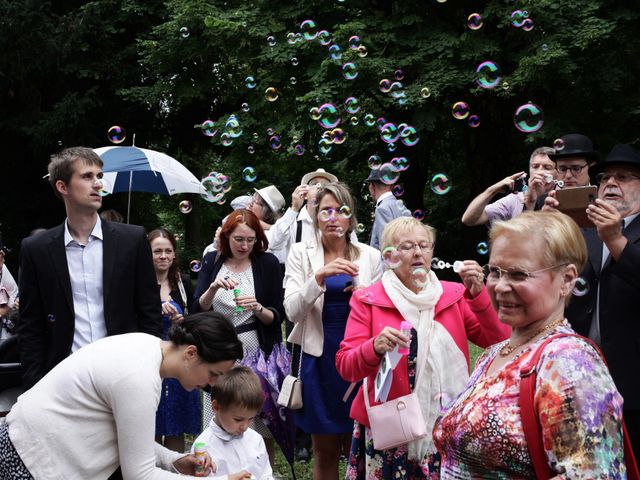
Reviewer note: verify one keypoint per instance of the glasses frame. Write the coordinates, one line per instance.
(575, 169)
(628, 177)
(508, 275)
(415, 245)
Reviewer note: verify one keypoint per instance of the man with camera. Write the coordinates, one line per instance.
(542, 173)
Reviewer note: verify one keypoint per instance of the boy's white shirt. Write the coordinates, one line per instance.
(234, 453)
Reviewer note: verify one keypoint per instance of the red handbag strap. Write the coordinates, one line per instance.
(531, 421)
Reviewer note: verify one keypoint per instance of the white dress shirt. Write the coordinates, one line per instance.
(234, 453)
(85, 265)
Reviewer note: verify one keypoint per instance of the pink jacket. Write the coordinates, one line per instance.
(465, 318)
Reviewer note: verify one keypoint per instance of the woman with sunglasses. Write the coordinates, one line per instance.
(321, 276)
(443, 317)
(244, 282)
(534, 264)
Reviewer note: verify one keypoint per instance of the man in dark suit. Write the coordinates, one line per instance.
(605, 308)
(84, 279)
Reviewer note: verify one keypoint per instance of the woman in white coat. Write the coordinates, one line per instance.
(320, 277)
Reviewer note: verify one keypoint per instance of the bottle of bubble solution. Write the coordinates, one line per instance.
(236, 294)
(405, 328)
(199, 449)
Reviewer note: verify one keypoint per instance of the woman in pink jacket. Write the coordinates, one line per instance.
(443, 316)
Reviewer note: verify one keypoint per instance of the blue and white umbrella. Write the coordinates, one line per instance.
(133, 169)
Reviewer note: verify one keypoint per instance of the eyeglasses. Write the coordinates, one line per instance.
(408, 247)
(575, 169)
(257, 200)
(326, 213)
(493, 273)
(620, 177)
(247, 240)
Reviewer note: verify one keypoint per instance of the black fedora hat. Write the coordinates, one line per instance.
(623, 154)
(576, 145)
(374, 176)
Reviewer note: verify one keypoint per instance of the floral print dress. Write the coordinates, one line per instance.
(580, 412)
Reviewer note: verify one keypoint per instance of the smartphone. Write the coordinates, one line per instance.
(520, 183)
(574, 202)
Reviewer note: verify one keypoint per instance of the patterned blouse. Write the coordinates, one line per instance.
(481, 434)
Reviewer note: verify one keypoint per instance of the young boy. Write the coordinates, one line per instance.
(236, 399)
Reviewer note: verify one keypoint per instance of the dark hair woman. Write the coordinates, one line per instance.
(95, 410)
(244, 282)
(179, 410)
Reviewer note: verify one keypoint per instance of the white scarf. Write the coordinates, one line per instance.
(445, 371)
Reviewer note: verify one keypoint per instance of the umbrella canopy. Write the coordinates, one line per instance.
(279, 420)
(133, 169)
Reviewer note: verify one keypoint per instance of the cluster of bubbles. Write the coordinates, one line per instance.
(116, 134)
(438, 264)
(520, 19)
(394, 88)
(215, 186)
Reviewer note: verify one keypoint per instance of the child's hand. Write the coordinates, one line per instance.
(243, 475)
(187, 465)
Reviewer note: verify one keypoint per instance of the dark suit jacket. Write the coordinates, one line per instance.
(267, 282)
(619, 309)
(47, 319)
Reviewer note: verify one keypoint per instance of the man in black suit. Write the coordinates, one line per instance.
(84, 279)
(608, 311)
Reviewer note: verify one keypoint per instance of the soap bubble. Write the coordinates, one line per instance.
(528, 118)
(354, 121)
(251, 149)
(275, 142)
(293, 80)
(232, 127)
(245, 107)
(345, 211)
(388, 174)
(324, 146)
(314, 113)
(391, 257)
(270, 131)
(103, 186)
(337, 136)
(184, 32)
(328, 116)
(324, 38)
(354, 42)
(460, 110)
(400, 164)
(435, 261)
(369, 120)
(420, 277)
(482, 248)
(360, 228)
(385, 85)
(309, 29)
(374, 162)
(425, 92)
(116, 134)
(527, 25)
(409, 136)
(580, 288)
(195, 266)
(418, 214)
(294, 61)
(185, 206)
(391, 147)
(298, 150)
(335, 52)
(474, 121)
(558, 144)
(291, 38)
(249, 174)
(271, 40)
(350, 71)
(474, 21)
(399, 74)
(440, 184)
(351, 105)
(488, 74)
(362, 51)
(389, 133)
(250, 82)
(271, 94)
(517, 18)
(398, 190)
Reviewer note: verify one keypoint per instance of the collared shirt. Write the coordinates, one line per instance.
(594, 329)
(382, 197)
(85, 263)
(233, 453)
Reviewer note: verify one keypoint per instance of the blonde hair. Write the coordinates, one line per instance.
(396, 228)
(562, 239)
(342, 194)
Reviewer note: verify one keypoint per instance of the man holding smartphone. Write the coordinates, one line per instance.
(542, 173)
(605, 304)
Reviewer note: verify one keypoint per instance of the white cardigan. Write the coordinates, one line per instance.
(304, 298)
(94, 411)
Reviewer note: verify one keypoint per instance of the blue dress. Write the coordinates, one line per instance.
(179, 410)
(323, 410)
